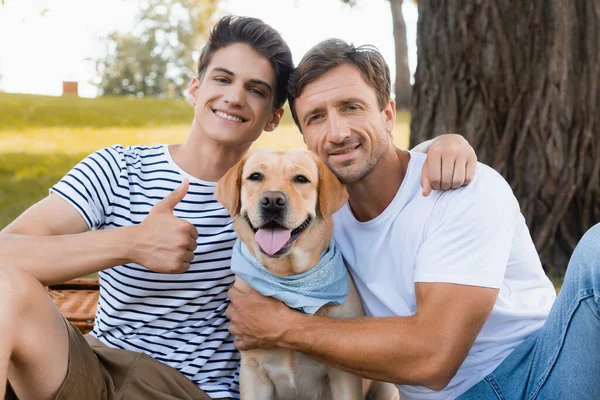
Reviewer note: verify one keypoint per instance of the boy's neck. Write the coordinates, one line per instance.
(370, 196)
(205, 159)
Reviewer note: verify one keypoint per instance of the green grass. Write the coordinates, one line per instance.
(25, 178)
(21, 111)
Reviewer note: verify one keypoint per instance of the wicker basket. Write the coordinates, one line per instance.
(77, 301)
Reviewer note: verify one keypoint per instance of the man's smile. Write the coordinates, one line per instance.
(344, 153)
(344, 150)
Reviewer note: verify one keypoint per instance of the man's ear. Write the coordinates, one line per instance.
(332, 193)
(229, 187)
(192, 95)
(389, 116)
(275, 120)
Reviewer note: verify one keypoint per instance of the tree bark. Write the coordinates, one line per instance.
(519, 79)
(402, 86)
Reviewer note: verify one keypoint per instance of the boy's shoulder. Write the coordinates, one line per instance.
(119, 155)
(137, 151)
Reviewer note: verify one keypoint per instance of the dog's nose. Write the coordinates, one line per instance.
(273, 201)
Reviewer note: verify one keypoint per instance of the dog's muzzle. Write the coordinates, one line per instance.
(273, 205)
(273, 236)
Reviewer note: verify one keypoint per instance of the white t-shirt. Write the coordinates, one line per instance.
(475, 235)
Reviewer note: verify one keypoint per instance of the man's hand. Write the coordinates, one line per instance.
(256, 321)
(163, 242)
(450, 164)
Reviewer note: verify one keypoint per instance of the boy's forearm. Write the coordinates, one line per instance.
(56, 259)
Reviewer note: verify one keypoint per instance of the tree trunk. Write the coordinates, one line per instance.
(519, 79)
(402, 83)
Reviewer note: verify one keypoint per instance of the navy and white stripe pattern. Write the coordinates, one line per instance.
(178, 319)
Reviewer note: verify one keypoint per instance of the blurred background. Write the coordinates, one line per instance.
(520, 81)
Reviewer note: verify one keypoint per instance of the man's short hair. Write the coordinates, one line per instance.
(332, 53)
(262, 38)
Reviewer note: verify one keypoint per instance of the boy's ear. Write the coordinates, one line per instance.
(229, 187)
(275, 120)
(332, 192)
(192, 95)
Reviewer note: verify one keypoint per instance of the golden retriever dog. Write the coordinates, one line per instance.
(281, 203)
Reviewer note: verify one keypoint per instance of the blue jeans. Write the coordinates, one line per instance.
(561, 360)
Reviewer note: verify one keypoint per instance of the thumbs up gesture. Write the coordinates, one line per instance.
(163, 242)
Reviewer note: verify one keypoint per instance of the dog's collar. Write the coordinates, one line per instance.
(325, 283)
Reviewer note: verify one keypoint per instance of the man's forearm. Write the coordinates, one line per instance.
(56, 259)
(388, 349)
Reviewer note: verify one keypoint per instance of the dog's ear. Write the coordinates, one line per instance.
(332, 193)
(229, 187)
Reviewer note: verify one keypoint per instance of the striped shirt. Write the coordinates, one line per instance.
(179, 319)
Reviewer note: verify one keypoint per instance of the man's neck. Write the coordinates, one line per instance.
(205, 159)
(370, 196)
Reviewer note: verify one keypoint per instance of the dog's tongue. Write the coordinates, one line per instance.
(272, 240)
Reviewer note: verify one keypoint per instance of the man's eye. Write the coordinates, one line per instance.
(315, 117)
(255, 177)
(220, 79)
(351, 108)
(301, 179)
(257, 91)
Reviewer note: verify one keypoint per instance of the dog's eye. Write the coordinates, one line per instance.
(255, 177)
(301, 179)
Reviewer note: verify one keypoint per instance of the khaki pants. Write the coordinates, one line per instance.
(97, 371)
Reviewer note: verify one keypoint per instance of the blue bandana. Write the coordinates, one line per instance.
(325, 283)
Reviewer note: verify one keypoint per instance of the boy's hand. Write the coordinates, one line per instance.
(163, 242)
(450, 164)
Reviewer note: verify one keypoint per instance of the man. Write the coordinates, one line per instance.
(162, 247)
(461, 302)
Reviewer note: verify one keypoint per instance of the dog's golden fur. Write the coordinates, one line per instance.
(280, 373)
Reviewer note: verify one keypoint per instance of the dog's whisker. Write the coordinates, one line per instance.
(250, 223)
(302, 227)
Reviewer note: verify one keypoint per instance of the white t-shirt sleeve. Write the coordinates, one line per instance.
(469, 235)
(91, 185)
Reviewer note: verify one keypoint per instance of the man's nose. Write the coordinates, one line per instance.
(273, 202)
(338, 129)
(235, 95)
